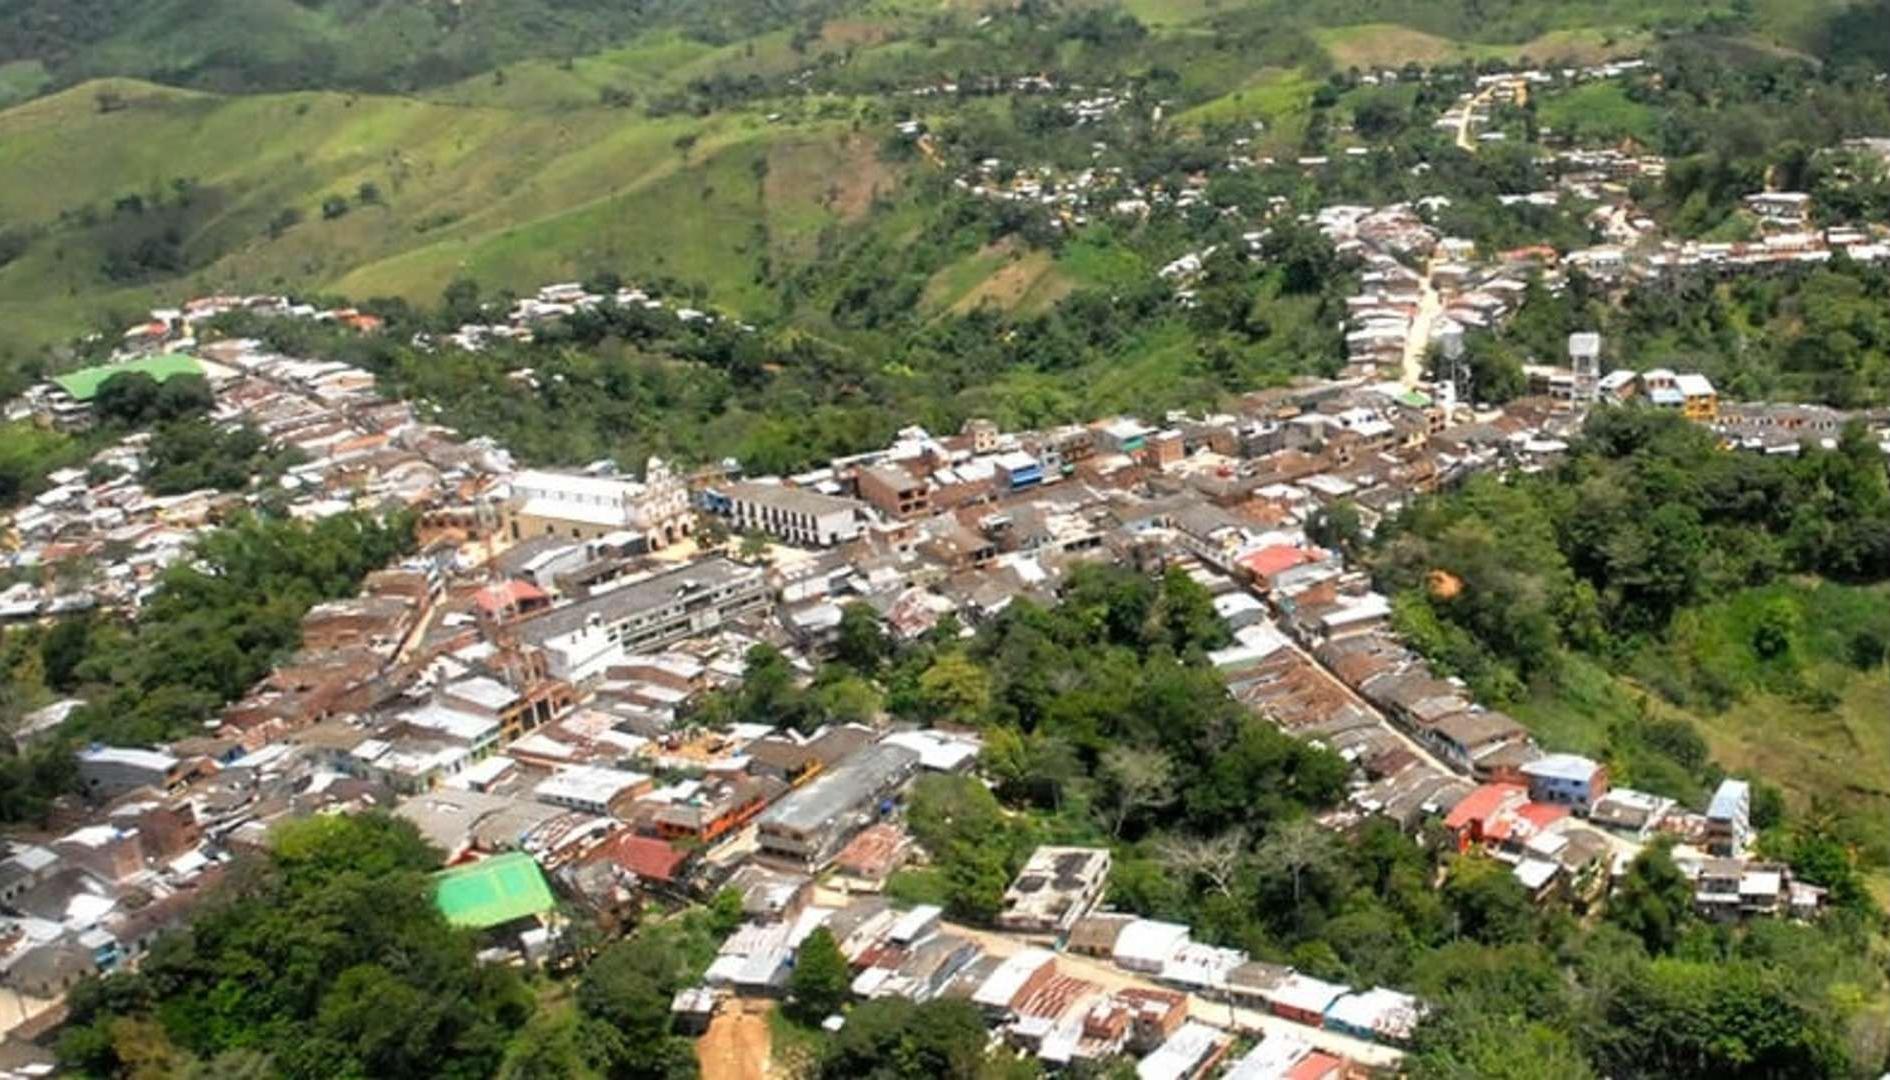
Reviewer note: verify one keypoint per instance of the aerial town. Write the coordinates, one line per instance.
(523, 688)
(1173, 539)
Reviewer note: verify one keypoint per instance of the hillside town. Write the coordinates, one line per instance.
(523, 688)
(1421, 288)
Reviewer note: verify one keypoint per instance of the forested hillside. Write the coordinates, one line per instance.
(1667, 605)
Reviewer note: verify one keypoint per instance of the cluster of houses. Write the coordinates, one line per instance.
(558, 301)
(1421, 291)
(523, 689)
(98, 538)
(1066, 983)
(1472, 110)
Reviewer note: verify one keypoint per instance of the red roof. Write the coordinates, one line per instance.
(645, 856)
(1269, 561)
(511, 594)
(1315, 1066)
(874, 853)
(1542, 815)
(1481, 804)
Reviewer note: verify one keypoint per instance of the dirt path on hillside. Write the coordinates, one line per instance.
(737, 1044)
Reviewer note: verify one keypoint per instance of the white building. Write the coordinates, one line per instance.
(590, 788)
(583, 507)
(798, 516)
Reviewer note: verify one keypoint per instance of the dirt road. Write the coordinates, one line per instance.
(1481, 98)
(1417, 343)
(737, 1045)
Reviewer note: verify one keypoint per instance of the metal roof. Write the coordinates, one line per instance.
(83, 384)
(492, 891)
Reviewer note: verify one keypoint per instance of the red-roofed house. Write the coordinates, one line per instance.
(1542, 815)
(1500, 815)
(1485, 813)
(511, 598)
(647, 857)
(1269, 562)
(1316, 1066)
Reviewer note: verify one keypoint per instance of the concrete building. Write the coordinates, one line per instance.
(1729, 819)
(809, 826)
(583, 507)
(796, 515)
(583, 639)
(1017, 471)
(1058, 886)
(1566, 780)
(894, 491)
(1584, 356)
(592, 789)
(108, 771)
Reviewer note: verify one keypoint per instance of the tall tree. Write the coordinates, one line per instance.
(818, 985)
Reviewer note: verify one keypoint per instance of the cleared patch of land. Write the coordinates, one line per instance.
(1390, 45)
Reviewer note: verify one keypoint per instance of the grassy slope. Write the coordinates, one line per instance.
(1815, 725)
(512, 196)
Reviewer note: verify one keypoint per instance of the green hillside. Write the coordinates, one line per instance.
(355, 44)
(713, 148)
(512, 196)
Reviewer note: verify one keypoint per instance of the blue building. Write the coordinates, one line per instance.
(1017, 470)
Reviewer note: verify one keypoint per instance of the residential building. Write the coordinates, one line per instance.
(1017, 471)
(1145, 945)
(1056, 887)
(583, 639)
(1567, 780)
(1190, 1052)
(1699, 402)
(1465, 739)
(1378, 1015)
(1729, 819)
(1691, 393)
(109, 771)
(1304, 999)
(593, 789)
(1017, 977)
(894, 492)
(807, 827)
(796, 515)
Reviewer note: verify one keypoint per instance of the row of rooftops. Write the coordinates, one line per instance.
(1039, 1005)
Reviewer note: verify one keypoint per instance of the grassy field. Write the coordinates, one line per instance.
(1277, 97)
(1598, 110)
(1389, 45)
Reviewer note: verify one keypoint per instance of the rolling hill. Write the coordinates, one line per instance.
(432, 191)
(519, 143)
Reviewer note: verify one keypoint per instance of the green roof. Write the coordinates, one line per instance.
(1416, 399)
(492, 891)
(83, 384)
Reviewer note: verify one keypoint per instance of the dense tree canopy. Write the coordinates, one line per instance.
(327, 958)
